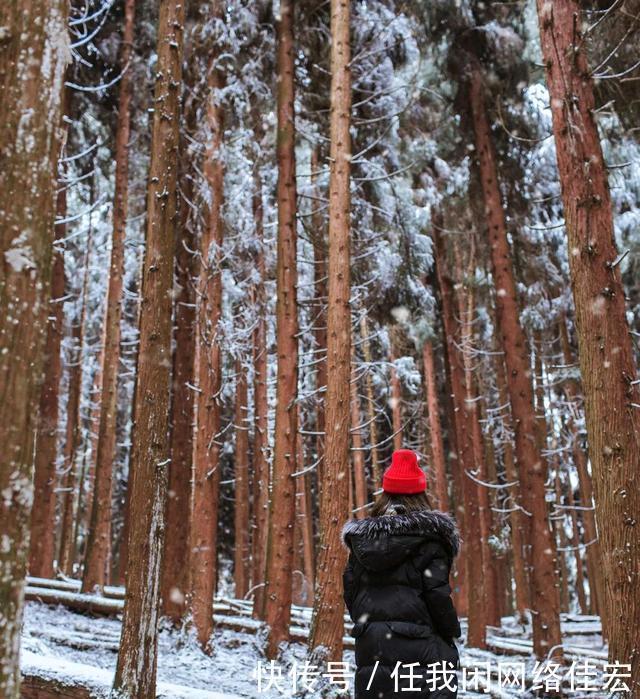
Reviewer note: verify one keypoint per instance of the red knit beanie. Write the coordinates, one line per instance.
(404, 476)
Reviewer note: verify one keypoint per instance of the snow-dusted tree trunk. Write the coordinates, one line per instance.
(438, 466)
(279, 554)
(241, 490)
(97, 564)
(137, 660)
(207, 371)
(609, 375)
(42, 536)
(327, 626)
(33, 56)
(532, 467)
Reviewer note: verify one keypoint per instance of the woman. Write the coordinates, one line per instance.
(396, 587)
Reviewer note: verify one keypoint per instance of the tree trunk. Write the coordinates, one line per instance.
(438, 466)
(176, 582)
(261, 413)
(459, 584)
(517, 522)
(308, 549)
(33, 56)
(241, 516)
(66, 554)
(320, 330)
(376, 470)
(531, 464)
(71, 501)
(594, 555)
(395, 402)
(466, 305)
(43, 513)
(303, 578)
(360, 478)
(208, 359)
(489, 564)
(561, 538)
(577, 552)
(606, 354)
(498, 560)
(476, 637)
(150, 454)
(327, 626)
(98, 557)
(279, 550)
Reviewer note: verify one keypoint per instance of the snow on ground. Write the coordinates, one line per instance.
(58, 637)
(56, 640)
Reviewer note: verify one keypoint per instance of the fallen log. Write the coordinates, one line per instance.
(72, 585)
(87, 604)
(34, 687)
(49, 677)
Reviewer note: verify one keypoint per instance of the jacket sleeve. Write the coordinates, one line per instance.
(349, 584)
(437, 595)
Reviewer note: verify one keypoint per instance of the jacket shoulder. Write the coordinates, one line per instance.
(432, 524)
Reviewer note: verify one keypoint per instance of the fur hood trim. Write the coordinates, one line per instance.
(428, 522)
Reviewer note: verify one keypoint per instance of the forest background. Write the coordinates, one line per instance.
(249, 248)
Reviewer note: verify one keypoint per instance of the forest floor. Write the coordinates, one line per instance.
(72, 647)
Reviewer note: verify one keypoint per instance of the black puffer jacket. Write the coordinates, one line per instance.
(396, 587)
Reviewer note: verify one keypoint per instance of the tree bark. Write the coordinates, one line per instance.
(66, 552)
(303, 579)
(466, 305)
(498, 559)
(459, 585)
(359, 475)
(176, 582)
(279, 553)
(33, 55)
(150, 455)
(517, 522)
(531, 464)
(605, 351)
(595, 569)
(241, 513)
(438, 466)
(97, 564)
(577, 552)
(476, 637)
(43, 513)
(320, 326)
(395, 402)
(376, 470)
(208, 360)
(327, 626)
(71, 501)
(308, 549)
(261, 413)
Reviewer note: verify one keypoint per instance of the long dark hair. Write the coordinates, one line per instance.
(392, 503)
